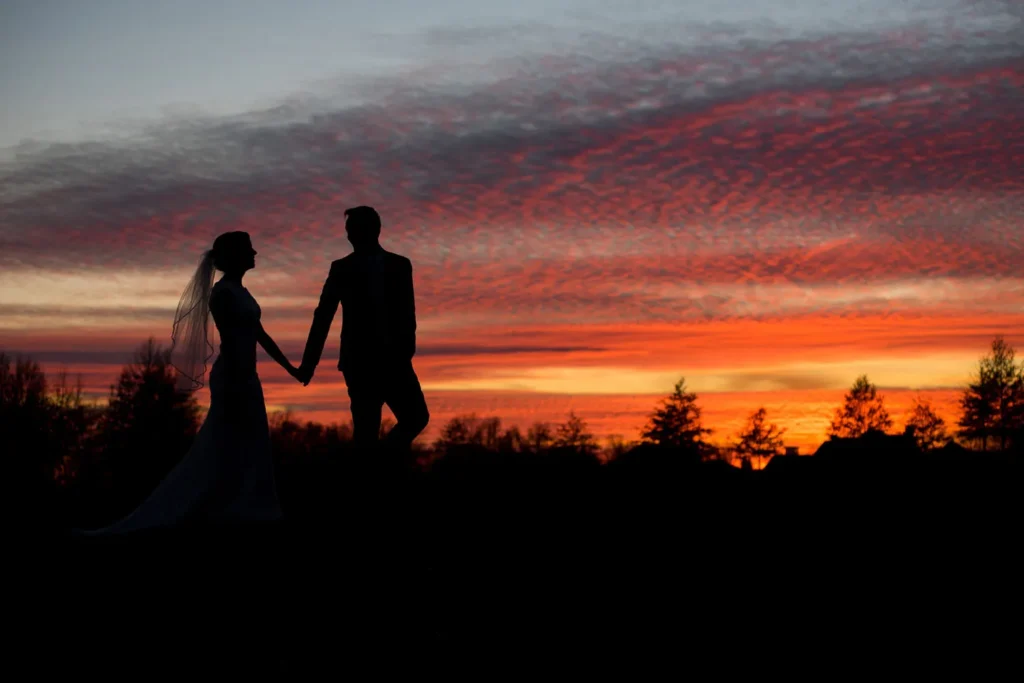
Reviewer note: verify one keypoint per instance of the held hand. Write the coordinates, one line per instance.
(303, 374)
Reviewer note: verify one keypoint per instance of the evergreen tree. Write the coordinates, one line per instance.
(677, 422)
(992, 404)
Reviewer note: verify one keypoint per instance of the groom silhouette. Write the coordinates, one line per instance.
(378, 334)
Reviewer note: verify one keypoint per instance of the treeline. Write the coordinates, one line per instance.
(991, 418)
(70, 458)
(63, 452)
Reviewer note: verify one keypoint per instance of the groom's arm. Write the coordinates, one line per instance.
(323, 316)
(407, 311)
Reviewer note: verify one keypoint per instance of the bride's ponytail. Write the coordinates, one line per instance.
(190, 346)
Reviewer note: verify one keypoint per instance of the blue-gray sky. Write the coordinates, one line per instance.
(72, 65)
(71, 69)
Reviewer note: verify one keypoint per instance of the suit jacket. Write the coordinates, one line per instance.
(378, 310)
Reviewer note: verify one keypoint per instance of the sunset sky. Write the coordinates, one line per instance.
(767, 198)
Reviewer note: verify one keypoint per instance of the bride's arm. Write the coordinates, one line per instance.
(271, 348)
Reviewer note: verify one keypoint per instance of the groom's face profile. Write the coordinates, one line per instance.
(358, 236)
(362, 226)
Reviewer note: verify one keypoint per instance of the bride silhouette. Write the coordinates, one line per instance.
(227, 476)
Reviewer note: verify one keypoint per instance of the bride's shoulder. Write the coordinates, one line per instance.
(225, 285)
(228, 294)
(222, 293)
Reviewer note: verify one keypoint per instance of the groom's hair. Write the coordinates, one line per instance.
(363, 220)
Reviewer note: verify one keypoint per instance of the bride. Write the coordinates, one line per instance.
(228, 474)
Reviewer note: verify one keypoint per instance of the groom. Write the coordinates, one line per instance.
(378, 334)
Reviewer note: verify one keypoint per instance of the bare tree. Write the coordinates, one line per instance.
(23, 385)
(65, 396)
(616, 445)
(759, 439)
(488, 433)
(539, 436)
(863, 410)
(929, 429)
(148, 424)
(458, 431)
(512, 440)
(573, 435)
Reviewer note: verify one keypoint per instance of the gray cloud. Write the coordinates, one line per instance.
(731, 154)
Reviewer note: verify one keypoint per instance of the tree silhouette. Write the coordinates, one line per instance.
(458, 431)
(539, 437)
(291, 439)
(25, 418)
(512, 441)
(617, 446)
(488, 433)
(148, 424)
(759, 440)
(23, 386)
(45, 427)
(992, 404)
(863, 410)
(72, 422)
(929, 429)
(470, 430)
(677, 422)
(573, 435)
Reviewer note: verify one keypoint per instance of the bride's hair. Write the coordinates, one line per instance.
(191, 349)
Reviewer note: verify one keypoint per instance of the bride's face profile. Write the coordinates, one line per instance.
(234, 253)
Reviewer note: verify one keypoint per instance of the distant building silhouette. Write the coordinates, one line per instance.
(787, 461)
(874, 444)
(954, 450)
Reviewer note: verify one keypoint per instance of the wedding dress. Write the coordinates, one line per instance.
(228, 474)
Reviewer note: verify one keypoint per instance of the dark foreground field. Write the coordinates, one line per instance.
(826, 567)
